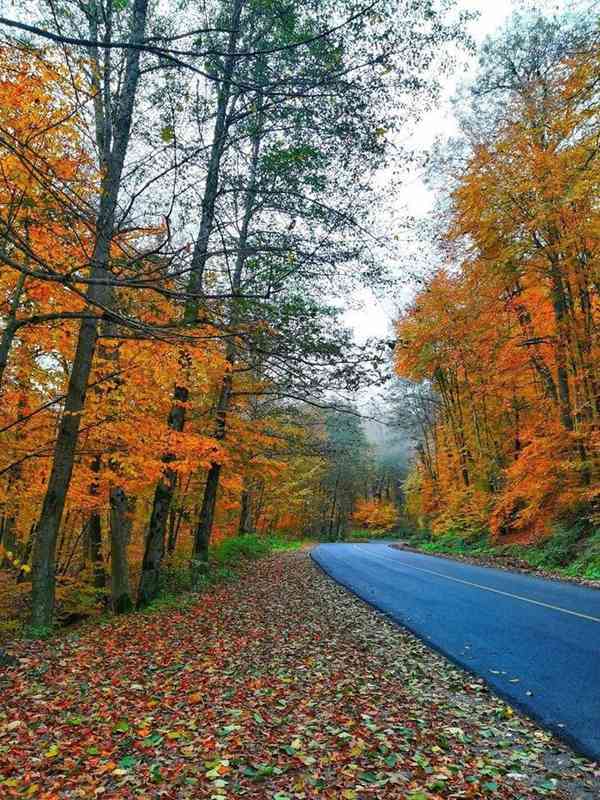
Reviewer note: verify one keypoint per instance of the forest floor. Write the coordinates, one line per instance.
(279, 685)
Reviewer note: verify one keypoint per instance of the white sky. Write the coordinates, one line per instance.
(376, 316)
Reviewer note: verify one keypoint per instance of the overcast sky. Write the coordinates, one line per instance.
(376, 316)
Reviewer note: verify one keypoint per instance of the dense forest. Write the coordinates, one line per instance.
(190, 197)
(501, 340)
(186, 194)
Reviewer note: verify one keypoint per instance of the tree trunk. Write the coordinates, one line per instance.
(333, 508)
(43, 566)
(559, 305)
(177, 518)
(535, 356)
(172, 536)
(27, 552)
(207, 513)
(8, 538)
(199, 258)
(202, 534)
(246, 513)
(149, 587)
(199, 564)
(95, 533)
(113, 158)
(121, 508)
(11, 326)
(164, 494)
(64, 570)
(155, 540)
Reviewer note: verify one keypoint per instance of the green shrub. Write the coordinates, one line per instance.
(76, 600)
(371, 534)
(453, 542)
(558, 550)
(278, 544)
(249, 547)
(587, 564)
(175, 578)
(232, 551)
(224, 557)
(38, 631)
(220, 574)
(571, 549)
(166, 602)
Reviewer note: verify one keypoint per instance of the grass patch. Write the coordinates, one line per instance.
(586, 563)
(38, 631)
(452, 542)
(232, 552)
(240, 548)
(372, 535)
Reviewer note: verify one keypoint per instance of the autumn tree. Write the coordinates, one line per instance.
(178, 226)
(507, 333)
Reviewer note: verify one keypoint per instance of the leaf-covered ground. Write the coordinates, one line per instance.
(280, 685)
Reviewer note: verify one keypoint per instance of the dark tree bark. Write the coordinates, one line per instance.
(94, 526)
(163, 496)
(8, 538)
(172, 535)
(155, 540)
(560, 314)
(199, 565)
(204, 527)
(11, 326)
(94, 534)
(121, 509)
(176, 518)
(246, 513)
(113, 158)
(27, 552)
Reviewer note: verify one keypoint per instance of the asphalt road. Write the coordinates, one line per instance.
(535, 642)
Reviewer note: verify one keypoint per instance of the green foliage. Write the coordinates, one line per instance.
(168, 601)
(38, 631)
(556, 552)
(281, 159)
(571, 550)
(224, 557)
(78, 600)
(279, 545)
(233, 551)
(587, 563)
(175, 575)
(454, 541)
(364, 534)
(10, 629)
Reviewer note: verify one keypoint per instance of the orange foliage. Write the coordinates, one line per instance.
(47, 185)
(375, 514)
(509, 340)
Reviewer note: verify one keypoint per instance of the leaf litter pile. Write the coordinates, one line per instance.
(280, 685)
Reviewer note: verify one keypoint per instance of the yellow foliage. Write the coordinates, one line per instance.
(375, 514)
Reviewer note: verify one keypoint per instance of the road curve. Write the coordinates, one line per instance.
(536, 642)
